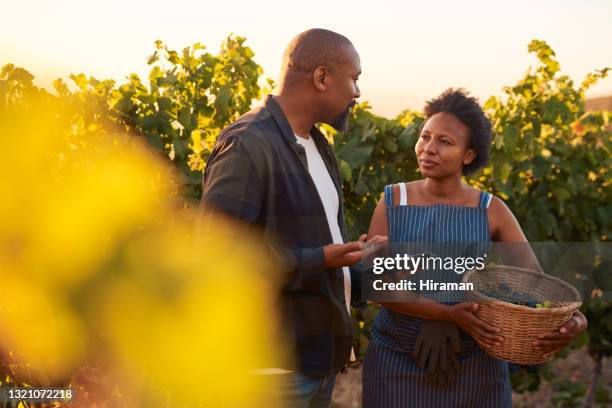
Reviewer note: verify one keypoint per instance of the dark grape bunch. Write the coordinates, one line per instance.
(505, 293)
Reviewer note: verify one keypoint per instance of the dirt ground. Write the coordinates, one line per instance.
(577, 367)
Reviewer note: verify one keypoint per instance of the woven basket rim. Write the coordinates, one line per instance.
(570, 306)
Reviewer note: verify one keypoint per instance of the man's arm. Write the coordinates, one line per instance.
(235, 186)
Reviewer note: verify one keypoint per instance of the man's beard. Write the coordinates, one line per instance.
(341, 122)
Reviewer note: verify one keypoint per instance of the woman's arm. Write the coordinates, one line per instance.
(504, 228)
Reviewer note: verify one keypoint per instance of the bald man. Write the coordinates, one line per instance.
(273, 168)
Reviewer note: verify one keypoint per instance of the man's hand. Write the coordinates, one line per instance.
(338, 255)
(552, 342)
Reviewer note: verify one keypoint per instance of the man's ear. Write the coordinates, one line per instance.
(469, 156)
(319, 78)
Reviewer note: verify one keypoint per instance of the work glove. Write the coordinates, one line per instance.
(436, 347)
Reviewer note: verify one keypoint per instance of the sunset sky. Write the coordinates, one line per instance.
(410, 51)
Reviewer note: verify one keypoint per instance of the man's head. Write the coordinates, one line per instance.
(324, 67)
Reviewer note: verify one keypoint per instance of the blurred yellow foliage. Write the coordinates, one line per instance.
(98, 267)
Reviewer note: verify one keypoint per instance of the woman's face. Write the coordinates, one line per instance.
(442, 149)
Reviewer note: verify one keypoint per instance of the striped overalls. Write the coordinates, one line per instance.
(390, 375)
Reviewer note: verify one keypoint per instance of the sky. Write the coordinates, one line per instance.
(410, 51)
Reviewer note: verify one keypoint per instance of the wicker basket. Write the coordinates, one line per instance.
(521, 325)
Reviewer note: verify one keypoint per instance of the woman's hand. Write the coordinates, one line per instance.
(462, 315)
(552, 342)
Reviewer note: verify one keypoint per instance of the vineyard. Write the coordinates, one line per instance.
(550, 163)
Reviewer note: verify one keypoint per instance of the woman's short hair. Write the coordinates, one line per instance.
(468, 111)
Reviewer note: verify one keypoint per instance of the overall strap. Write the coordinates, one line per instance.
(389, 195)
(485, 199)
(403, 194)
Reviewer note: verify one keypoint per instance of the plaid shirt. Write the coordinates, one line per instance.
(257, 172)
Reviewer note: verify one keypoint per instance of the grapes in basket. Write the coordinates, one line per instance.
(505, 293)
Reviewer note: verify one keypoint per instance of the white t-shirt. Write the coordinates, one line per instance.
(329, 198)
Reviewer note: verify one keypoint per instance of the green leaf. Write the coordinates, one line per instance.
(153, 58)
(22, 76)
(124, 105)
(390, 145)
(345, 171)
(180, 148)
(184, 117)
(542, 50)
(552, 66)
(552, 109)
(540, 167)
(361, 188)
(80, 80)
(222, 101)
(498, 141)
(355, 154)
(511, 136)
(504, 171)
(60, 87)
(166, 81)
(164, 103)
(156, 142)
(408, 137)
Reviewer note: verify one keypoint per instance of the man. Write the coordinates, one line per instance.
(273, 168)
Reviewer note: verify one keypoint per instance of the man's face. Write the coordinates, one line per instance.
(343, 90)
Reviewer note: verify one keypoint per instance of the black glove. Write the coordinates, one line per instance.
(436, 347)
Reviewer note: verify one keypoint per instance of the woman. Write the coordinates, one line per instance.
(454, 141)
